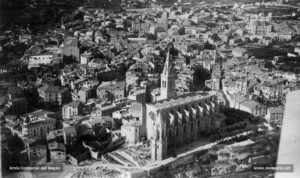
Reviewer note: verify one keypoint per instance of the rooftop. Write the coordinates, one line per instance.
(73, 104)
(177, 101)
(113, 85)
(69, 130)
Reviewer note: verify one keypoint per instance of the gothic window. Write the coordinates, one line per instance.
(192, 126)
(184, 129)
(177, 131)
(170, 134)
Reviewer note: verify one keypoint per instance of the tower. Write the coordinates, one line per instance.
(168, 76)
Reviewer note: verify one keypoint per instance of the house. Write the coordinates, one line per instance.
(239, 52)
(132, 130)
(271, 89)
(275, 115)
(70, 135)
(138, 95)
(85, 94)
(111, 91)
(95, 123)
(253, 107)
(71, 109)
(38, 124)
(54, 94)
(41, 59)
(248, 105)
(17, 105)
(55, 135)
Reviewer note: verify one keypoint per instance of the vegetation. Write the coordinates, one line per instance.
(201, 74)
(234, 116)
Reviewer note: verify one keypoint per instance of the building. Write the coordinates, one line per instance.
(70, 135)
(260, 28)
(71, 49)
(71, 109)
(168, 77)
(85, 57)
(132, 130)
(134, 127)
(57, 152)
(275, 115)
(138, 95)
(41, 59)
(85, 93)
(140, 26)
(111, 91)
(17, 105)
(38, 124)
(253, 107)
(271, 90)
(54, 94)
(175, 121)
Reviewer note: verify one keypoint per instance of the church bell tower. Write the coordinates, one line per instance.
(168, 77)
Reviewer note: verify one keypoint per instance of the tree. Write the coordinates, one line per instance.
(151, 36)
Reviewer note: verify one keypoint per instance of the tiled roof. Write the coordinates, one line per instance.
(136, 106)
(180, 100)
(69, 130)
(73, 104)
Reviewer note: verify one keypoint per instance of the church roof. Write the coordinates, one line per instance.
(181, 100)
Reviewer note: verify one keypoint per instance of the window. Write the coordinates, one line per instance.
(177, 131)
(184, 129)
(192, 126)
(170, 134)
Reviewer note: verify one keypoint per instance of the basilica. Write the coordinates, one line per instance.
(173, 121)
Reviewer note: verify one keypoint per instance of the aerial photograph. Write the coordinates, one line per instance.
(150, 88)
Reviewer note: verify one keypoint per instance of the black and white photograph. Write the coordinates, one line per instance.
(150, 88)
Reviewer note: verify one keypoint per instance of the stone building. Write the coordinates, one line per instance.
(174, 121)
(38, 124)
(168, 77)
(70, 135)
(54, 94)
(71, 109)
(111, 91)
(17, 105)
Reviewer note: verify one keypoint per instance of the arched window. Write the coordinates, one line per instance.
(184, 129)
(192, 126)
(177, 131)
(170, 134)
